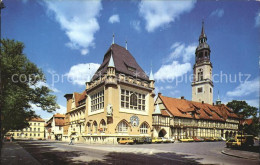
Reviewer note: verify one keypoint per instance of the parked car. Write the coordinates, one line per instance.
(138, 140)
(172, 140)
(156, 140)
(188, 139)
(231, 143)
(147, 140)
(208, 139)
(126, 141)
(196, 139)
(165, 140)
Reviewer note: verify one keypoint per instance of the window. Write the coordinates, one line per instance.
(17, 134)
(103, 126)
(38, 134)
(132, 100)
(122, 127)
(200, 90)
(30, 123)
(97, 101)
(26, 134)
(89, 128)
(30, 129)
(200, 55)
(38, 129)
(95, 127)
(38, 124)
(34, 129)
(200, 75)
(35, 134)
(34, 123)
(210, 89)
(30, 134)
(144, 128)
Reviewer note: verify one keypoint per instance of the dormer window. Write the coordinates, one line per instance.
(131, 69)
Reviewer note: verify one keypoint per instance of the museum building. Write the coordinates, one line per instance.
(118, 101)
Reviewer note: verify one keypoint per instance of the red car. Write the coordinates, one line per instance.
(197, 139)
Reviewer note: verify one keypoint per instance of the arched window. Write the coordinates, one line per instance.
(89, 127)
(103, 126)
(95, 127)
(133, 101)
(122, 127)
(144, 128)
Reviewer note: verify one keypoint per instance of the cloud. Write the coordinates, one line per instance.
(218, 13)
(62, 109)
(114, 19)
(246, 88)
(253, 102)
(47, 115)
(79, 21)
(180, 50)
(136, 25)
(41, 83)
(172, 71)
(160, 13)
(80, 73)
(257, 19)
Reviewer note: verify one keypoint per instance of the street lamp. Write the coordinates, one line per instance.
(1, 7)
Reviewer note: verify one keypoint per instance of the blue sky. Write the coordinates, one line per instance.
(68, 39)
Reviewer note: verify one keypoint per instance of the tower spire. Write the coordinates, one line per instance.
(111, 61)
(203, 37)
(113, 41)
(202, 29)
(126, 44)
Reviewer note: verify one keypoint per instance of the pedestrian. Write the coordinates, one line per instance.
(71, 141)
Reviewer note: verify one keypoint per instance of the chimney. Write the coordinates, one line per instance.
(202, 102)
(182, 97)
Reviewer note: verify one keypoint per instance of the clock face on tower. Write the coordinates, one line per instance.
(134, 121)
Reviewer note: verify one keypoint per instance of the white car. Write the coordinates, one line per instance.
(165, 140)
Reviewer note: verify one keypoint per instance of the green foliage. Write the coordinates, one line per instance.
(20, 88)
(246, 111)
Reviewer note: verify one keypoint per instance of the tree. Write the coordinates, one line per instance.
(245, 111)
(21, 88)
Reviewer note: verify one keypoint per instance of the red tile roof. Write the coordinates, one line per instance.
(191, 109)
(59, 122)
(122, 60)
(59, 115)
(37, 119)
(247, 121)
(79, 97)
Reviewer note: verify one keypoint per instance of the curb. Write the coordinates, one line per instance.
(225, 153)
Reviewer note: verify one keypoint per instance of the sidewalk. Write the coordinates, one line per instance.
(13, 153)
(241, 154)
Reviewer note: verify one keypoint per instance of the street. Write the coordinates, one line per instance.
(47, 152)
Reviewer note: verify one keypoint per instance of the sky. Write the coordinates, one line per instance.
(68, 39)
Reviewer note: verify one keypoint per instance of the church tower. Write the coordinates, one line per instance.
(202, 85)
